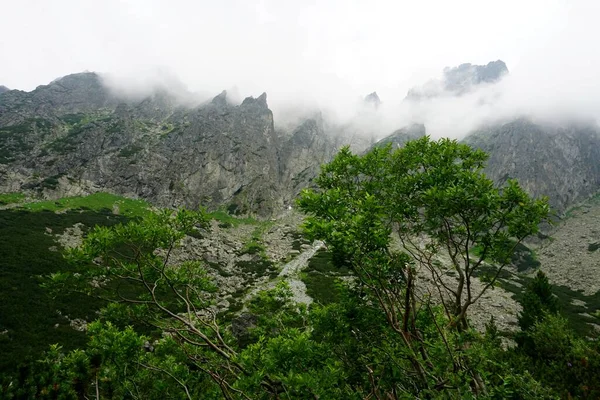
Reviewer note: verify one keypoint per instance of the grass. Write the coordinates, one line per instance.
(321, 288)
(27, 311)
(259, 268)
(253, 247)
(229, 220)
(94, 202)
(11, 198)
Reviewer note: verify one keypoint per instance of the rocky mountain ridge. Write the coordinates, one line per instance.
(74, 136)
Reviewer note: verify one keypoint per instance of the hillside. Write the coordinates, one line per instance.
(74, 136)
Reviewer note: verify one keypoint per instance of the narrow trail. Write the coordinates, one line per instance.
(290, 273)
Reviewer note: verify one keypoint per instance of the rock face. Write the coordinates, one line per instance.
(3, 89)
(562, 162)
(74, 136)
(460, 79)
(307, 147)
(373, 100)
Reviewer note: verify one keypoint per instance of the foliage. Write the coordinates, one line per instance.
(96, 202)
(537, 301)
(321, 278)
(11, 198)
(226, 218)
(435, 198)
(30, 318)
(384, 335)
(563, 361)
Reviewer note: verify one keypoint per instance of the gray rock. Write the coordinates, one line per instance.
(74, 137)
(562, 163)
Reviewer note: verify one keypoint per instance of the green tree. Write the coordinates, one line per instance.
(538, 300)
(132, 267)
(396, 216)
(433, 198)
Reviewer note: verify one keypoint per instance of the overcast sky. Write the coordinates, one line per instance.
(316, 50)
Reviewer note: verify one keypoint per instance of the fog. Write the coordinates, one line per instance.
(323, 56)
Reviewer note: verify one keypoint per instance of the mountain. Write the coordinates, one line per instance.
(559, 161)
(74, 136)
(373, 100)
(3, 89)
(459, 80)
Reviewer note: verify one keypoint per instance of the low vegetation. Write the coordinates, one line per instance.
(93, 202)
(376, 337)
(31, 318)
(11, 198)
(229, 220)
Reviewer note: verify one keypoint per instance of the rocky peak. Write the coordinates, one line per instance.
(76, 93)
(260, 102)
(3, 89)
(75, 81)
(463, 77)
(220, 99)
(560, 162)
(373, 99)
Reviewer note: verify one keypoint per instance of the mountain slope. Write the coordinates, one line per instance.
(74, 136)
(561, 162)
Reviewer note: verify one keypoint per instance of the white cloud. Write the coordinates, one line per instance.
(321, 54)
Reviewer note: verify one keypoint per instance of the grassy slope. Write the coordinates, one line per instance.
(27, 312)
(97, 202)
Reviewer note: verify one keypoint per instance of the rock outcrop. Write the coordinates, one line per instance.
(401, 136)
(373, 100)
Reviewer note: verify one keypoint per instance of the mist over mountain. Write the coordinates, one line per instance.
(78, 135)
(158, 234)
(460, 80)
